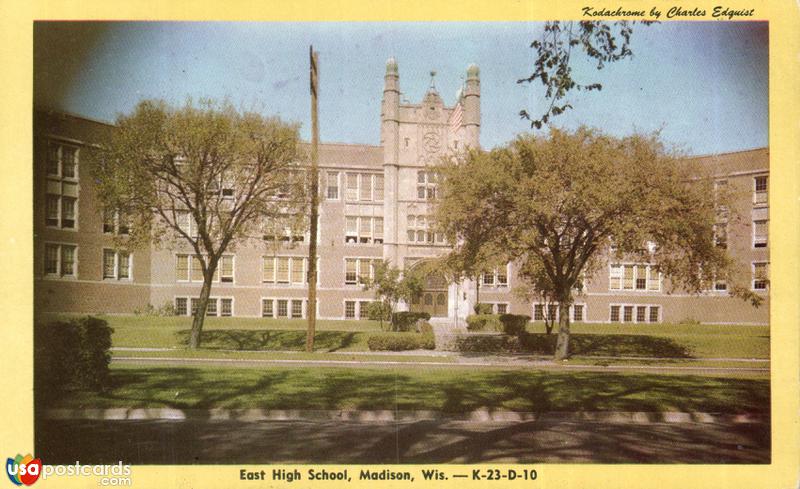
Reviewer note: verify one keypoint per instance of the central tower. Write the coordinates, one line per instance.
(414, 138)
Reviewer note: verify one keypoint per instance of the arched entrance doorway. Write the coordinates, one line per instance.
(434, 299)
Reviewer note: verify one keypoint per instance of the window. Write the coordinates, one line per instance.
(332, 180)
(116, 265)
(419, 232)
(365, 191)
(267, 308)
(297, 309)
(61, 192)
(357, 270)
(62, 161)
(226, 268)
(286, 227)
(290, 269)
(365, 187)
(189, 269)
(721, 235)
(186, 223)
(634, 277)
(760, 190)
(760, 233)
(638, 313)
(654, 314)
(426, 185)
(115, 223)
(363, 309)
(495, 278)
(615, 314)
(59, 260)
(720, 285)
(363, 229)
(211, 309)
(577, 312)
(627, 314)
(181, 307)
(226, 307)
(350, 309)
(760, 275)
(216, 306)
(378, 196)
(283, 308)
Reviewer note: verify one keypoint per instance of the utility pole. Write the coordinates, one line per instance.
(312, 245)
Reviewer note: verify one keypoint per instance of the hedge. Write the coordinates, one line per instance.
(485, 343)
(514, 324)
(483, 308)
(71, 354)
(405, 320)
(401, 341)
(484, 322)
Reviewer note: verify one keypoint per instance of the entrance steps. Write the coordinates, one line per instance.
(445, 332)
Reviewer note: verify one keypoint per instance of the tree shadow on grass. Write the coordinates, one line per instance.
(357, 389)
(242, 339)
(608, 345)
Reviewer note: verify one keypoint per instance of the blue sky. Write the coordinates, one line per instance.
(705, 84)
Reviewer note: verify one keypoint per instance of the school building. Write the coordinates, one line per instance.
(374, 205)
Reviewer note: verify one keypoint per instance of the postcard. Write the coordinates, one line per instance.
(401, 245)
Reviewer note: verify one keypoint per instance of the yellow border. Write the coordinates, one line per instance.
(16, 232)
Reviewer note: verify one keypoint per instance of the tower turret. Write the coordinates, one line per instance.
(390, 137)
(472, 106)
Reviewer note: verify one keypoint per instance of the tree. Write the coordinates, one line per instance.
(556, 204)
(206, 176)
(391, 286)
(603, 42)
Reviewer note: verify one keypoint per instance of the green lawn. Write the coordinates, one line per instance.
(443, 389)
(273, 355)
(644, 340)
(673, 340)
(238, 333)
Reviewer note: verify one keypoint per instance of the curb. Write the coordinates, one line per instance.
(388, 416)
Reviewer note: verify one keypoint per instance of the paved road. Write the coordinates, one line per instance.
(438, 441)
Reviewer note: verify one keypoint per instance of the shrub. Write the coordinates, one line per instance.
(71, 354)
(484, 322)
(378, 311)
(167, 309)
(400, 341)
(482, 308)
(689, 322)
(424, 327)
(404, 320)
(514, 324)
(487, 344)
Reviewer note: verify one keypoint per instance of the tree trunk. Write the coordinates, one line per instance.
(200, 314)
(562, 345)
(477, 291)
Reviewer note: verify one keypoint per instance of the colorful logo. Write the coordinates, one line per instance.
(23, 470)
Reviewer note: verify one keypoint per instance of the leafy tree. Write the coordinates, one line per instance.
(555, 204)
(205, 175)
(391, 286)
(601, 42)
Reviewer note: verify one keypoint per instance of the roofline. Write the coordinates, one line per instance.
(44, 108)
(711, 155)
